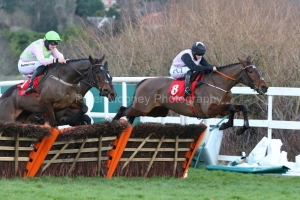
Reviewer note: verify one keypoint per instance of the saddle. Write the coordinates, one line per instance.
(23, 86)
(177, 87)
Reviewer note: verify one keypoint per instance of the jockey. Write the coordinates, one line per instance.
(187, 61)
(40, 53)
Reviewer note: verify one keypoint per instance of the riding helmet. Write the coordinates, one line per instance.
(52, 36)
(199, 48)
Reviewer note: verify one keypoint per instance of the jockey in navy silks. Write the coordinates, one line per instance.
(189, 61)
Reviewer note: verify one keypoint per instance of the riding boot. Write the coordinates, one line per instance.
(39, 70)
(188, 90)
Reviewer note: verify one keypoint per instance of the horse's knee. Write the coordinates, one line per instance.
(64, 120)
(84, 109)
(244, 108)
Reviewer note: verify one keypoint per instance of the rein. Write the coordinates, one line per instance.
(229, 77)
(94, 83)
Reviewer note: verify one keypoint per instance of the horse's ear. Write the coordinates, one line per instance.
(105, 65)
(248, 59)
(242, 62)
(92, 60)
(102, 58)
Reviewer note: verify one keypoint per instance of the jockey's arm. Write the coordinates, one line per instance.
(186, 58)
(38, 52)
(56, 54)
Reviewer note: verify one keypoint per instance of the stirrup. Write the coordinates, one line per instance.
(30, 90)
(187, 92)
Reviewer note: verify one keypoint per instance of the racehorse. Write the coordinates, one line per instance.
(57, 90)
(212, 96)
(71, 116)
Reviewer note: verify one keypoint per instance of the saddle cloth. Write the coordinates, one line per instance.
(23, 86)
(177, 89)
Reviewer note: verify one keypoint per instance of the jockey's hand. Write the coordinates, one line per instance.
(62, 60)
(215, 68)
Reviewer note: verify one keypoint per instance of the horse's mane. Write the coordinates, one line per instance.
(8, 92)
(137, 85)
(75, 60)
(230, 65)
(79, 59)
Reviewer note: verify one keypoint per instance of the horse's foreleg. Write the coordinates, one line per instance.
(223, 109)
(49, 111)
(78, 116)
(128, 112)
(120, 113)
(244, 110)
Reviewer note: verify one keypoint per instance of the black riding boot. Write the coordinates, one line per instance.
(36, 73)
(188, 90)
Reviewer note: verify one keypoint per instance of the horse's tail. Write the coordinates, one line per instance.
(136, 87)
(8, 92)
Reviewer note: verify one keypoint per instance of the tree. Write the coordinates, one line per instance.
(9, 6)
(86, 8)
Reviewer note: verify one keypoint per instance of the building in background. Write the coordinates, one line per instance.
(108, 3)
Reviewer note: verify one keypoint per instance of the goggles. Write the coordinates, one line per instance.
(53, 43)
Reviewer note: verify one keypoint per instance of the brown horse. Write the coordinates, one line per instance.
(71, 116)
(58, 90)
(212, 96)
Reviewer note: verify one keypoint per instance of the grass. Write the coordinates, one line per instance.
(200, 184)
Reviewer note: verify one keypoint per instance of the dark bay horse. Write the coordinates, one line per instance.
(212, 96)
(71, 116)
(57, 90)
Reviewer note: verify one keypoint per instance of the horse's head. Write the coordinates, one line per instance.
(102, 78)
(252, 78)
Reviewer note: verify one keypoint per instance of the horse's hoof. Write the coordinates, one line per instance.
(64, 120)
(222, 127)
(241, 131)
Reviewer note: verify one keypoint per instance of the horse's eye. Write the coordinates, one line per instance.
(250, 71)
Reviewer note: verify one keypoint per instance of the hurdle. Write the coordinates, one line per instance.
(108, 149)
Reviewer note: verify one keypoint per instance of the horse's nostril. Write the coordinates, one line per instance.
(264, 89)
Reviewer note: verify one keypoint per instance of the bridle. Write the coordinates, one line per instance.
(95, 81)
(251, 82)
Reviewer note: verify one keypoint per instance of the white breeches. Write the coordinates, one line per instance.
(178, 72)
(27, 68)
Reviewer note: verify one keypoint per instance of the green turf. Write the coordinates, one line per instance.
(200, 184)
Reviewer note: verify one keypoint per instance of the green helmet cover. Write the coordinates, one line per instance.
(52, 35)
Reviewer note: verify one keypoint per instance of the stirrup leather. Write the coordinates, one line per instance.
(187, 92)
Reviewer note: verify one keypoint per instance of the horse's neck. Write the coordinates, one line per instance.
(234, 72)
(84, 87)
(72, 72)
